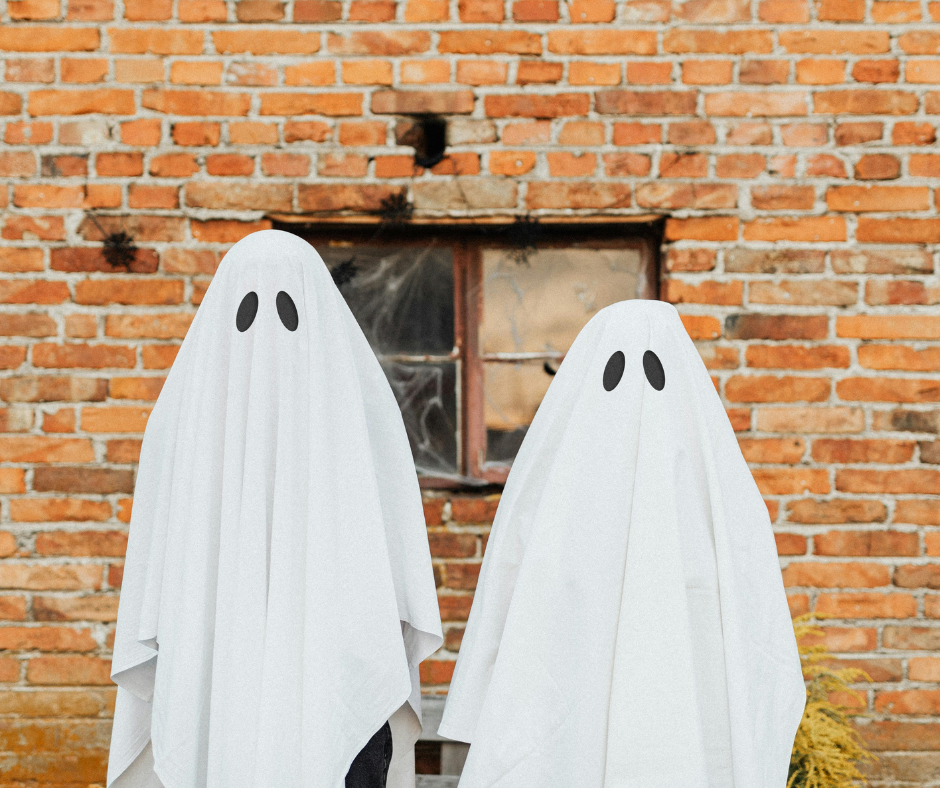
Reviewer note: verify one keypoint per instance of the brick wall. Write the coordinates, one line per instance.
(790, 143)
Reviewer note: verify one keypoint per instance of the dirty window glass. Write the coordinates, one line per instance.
(403, 299)
(533, 308)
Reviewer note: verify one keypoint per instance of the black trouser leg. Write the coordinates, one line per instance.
(370, 768)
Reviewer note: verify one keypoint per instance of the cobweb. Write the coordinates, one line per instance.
(403, 299)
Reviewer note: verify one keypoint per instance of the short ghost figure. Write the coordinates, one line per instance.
(630, 627)
(278, 593)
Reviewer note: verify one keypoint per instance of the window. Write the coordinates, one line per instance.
(470, 322)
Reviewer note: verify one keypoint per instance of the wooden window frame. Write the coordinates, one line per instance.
(467, 241)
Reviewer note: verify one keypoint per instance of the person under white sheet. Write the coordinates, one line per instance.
(278, 593)
(630, 627)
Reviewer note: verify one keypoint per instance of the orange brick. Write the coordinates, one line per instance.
(139, 70)
(538, 72)
(812, 229)
(569, 165)
(371, 11)
(367, 72)
(601, 42)
(270, 41)
(784, 11)
(427, 11)
(197, 72)
(313, 73)
(707, 72)
(820, 72)
(511, 162)
(867, 605)
(84, 71)
(481, 72)
(424, 71)
(480, 10)
(588, 73)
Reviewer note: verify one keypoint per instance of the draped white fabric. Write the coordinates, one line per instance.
(278, 592)
(630, 627)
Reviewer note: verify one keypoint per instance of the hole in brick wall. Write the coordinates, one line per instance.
(427, 135)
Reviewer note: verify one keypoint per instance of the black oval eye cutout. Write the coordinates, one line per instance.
(614, 370)
(287, 311)
(653, 368)
(247, 310)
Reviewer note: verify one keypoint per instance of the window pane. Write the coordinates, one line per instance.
(427, 396)
(511, 394)
(403, 297)
(542, 303)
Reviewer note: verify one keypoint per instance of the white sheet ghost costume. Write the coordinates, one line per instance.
(278, 592)
(630, 627)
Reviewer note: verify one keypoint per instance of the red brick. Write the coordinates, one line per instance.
(889, 327)
(311, 104)
(784, 11)
(791, 481)
(196, 102)
(858, 133)
(141, 132)
(601, 42)
(81, 102)
(535, 10)
(480, 10)
(899, 357)
(865, 102)
(427, 11)
(317, 10)
(736, 42)
(859, 199)
(764, 72)
(647, 102)
(711, 228)
(802, 420)
(537, 106)
(587, 73)
(867, 605)
(371, 10)
(82, 71)
(909, 133)
(877, 166)
(379, 43)
(842, 575)
(898, 482)
(197, 72)
(224, 231)
(194, 134)
(594, 194)
(32, 38)
(538, 72)
(876, 71)
(707, 72)
(831, 42)
(750, 104)
(618, 165)
(419, 102)
(648, 73)
(155, 40)
(68, 670)
(724, 293)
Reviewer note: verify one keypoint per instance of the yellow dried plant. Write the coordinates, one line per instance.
(827, 749)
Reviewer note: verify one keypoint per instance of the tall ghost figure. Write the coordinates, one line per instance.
(630, 627)
(278, 593)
